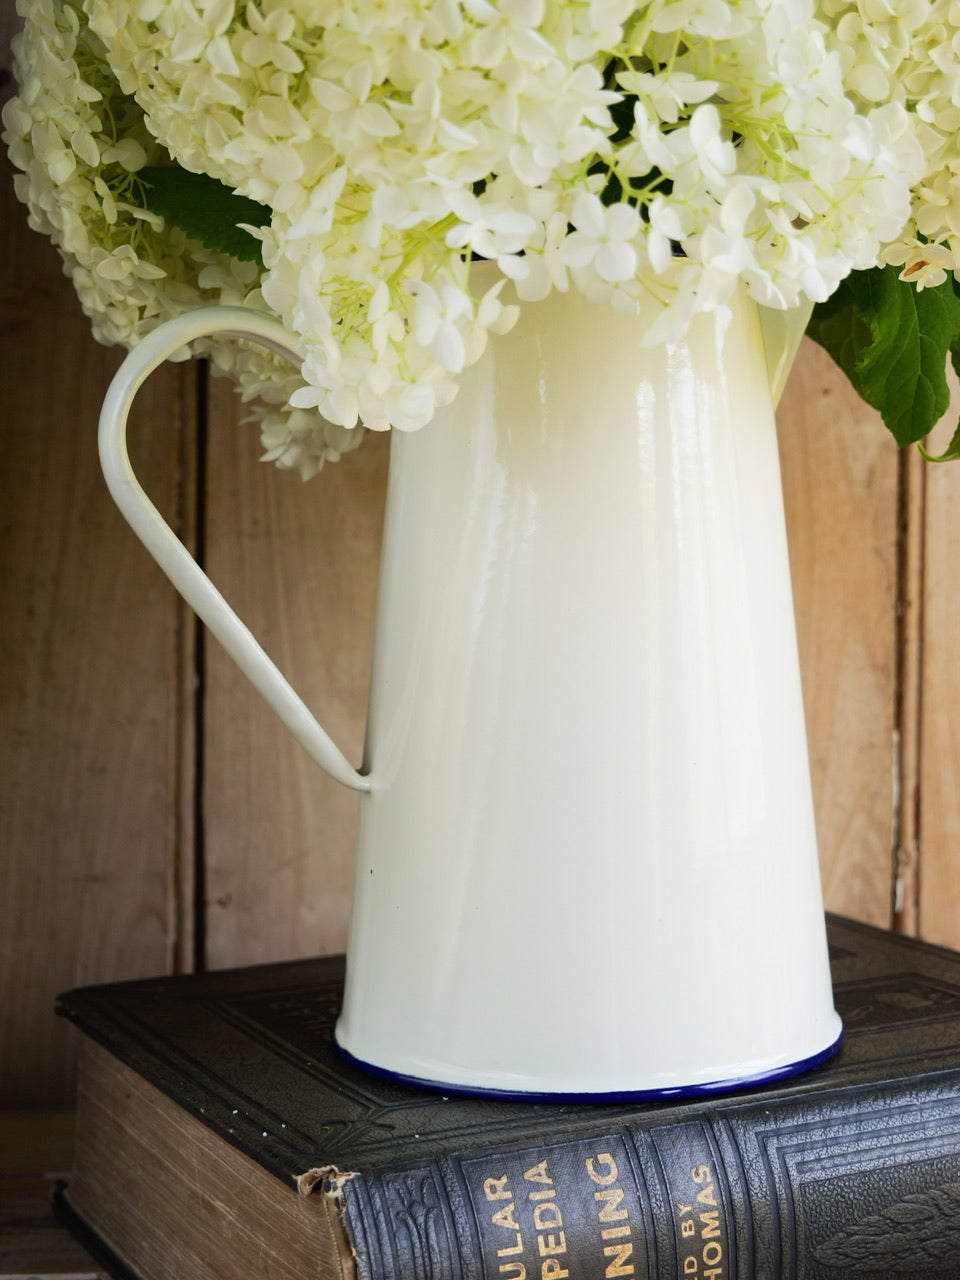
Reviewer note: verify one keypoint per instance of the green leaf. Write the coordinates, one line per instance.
(204, 209)
(950, 454)
(892, 342)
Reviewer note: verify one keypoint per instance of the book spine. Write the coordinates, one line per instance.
(857, 1184)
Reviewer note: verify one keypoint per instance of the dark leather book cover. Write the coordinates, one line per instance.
(849, 1171)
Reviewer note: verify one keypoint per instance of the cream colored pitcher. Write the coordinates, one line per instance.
(586, 862)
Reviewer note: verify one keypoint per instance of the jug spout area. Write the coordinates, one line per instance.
(782, 332)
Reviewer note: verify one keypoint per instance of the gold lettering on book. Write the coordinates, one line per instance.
(710, 1224)
(602, 1169)
(547, 1215)
(547, 1222)
(706, 1196)
(506, 1217)
(701, 1227)
(498, 1189)
(688, 1226)
(539, 1174)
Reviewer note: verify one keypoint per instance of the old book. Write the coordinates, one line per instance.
(219, 1134)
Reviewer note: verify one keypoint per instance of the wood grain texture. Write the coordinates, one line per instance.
(36, 1151)
(938, 774)
(100, 773)
(841, 499)
(176, 1202)
(90, 651)
(298, 561)
(908, 732)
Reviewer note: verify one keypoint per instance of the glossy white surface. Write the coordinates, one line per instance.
(163, 544)
(587, 859)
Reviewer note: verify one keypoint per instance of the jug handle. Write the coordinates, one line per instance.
(167, 549)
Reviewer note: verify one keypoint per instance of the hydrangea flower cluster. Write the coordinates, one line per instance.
(79, 142)
(670, 148)
(909, 53)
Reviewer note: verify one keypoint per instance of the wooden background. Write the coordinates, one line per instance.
(153, 815)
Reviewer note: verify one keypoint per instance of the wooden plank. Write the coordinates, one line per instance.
(36, 1143)
(840, 493)
(939, 766)
(36, 1151)
(97, 744)
(909, 710)
(91, 646)
(298, 561)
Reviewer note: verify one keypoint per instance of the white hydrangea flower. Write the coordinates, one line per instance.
(79, 142)
(667, 148)
(604, 239)
(908, 55)
(491, 231)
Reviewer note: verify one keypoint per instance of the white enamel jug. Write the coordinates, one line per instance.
(586, 863)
